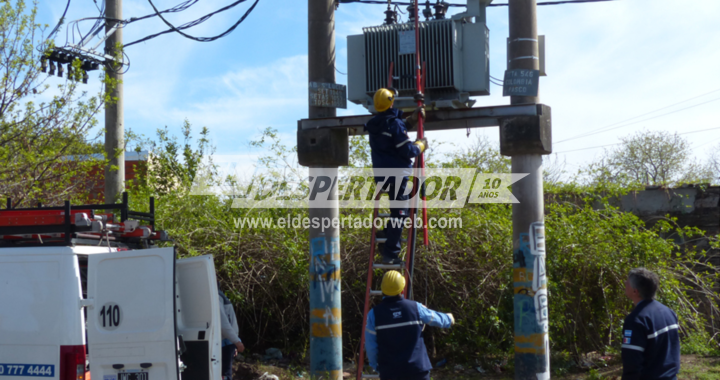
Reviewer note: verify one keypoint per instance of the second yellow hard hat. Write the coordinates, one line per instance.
(393, 283)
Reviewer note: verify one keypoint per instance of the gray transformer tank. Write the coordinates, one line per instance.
(455, 53)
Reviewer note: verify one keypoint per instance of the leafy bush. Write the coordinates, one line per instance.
(466, 271)
(699, 343)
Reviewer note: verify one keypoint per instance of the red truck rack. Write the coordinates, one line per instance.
(79, 225)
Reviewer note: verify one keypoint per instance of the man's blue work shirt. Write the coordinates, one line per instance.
(651, 344)
(391, 146)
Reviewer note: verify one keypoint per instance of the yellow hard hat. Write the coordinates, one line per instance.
(383, 99)
(393, 283)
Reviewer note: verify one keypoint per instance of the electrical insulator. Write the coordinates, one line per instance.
(441, 8)
(427, 12)
(84, 77)
(390, 16)
(52, 68)
(411, 13)
(43, 65)
(61, 71)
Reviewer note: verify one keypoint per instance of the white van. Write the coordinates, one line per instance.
(74, 312)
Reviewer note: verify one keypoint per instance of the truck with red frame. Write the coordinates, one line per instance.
(88, 293)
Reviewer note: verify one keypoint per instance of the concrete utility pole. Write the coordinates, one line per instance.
(325, 307)
(523, 140)
(114, 123)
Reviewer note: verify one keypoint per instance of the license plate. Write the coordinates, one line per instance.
(30, 370)
(133, 376)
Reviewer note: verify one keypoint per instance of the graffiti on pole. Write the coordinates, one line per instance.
(325, 307)
(532, 351)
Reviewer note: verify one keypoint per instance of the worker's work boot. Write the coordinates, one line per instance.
(391, 260)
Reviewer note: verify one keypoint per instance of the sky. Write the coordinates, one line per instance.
(606, 63)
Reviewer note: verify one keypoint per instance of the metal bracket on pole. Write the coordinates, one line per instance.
(107, 35)
(80, 47)
(93, 53)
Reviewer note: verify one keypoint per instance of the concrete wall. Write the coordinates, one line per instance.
(694, 206)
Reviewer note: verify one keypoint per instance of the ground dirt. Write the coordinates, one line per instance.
(692, 368)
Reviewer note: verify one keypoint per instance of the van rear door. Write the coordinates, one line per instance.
(198, 319)
(130, 315)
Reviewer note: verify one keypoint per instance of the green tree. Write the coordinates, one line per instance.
(650, 158)
(45, 139)
(360, 154)
(174, 165)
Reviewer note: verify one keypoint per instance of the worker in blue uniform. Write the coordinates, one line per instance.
(393, 333)
(651, 344)
(392, 149)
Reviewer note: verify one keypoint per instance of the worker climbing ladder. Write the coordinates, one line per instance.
(418, 174)
(372, 266)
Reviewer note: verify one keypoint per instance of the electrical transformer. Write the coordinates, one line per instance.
(454, 53)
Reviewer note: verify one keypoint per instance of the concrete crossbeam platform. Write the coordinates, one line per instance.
(435, 120)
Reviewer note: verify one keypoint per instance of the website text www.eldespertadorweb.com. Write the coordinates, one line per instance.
(324, 223)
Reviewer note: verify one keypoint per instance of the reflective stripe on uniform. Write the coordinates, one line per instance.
(399, 325)
(631, 347)
(403, 143)
(371, 332)
(662, 331)
(387, 134)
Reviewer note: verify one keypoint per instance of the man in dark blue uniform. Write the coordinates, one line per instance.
(393, 149)
(393, 333)
(651, 344)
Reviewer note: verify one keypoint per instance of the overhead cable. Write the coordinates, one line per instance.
(62, 19)
(636, 117)
(640, 121)
(196, 22)
(465, 5)
(178, 8)
(99, 25)
(602, 146)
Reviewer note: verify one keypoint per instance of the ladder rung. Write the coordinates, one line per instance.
(388, 266)
(376, 292)
(370, 376)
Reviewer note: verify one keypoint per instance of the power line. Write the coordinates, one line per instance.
(196, 22)
(178, 8)
(621, 124)
(702, 130)
(602, 146)
(588, 148)
(561, 2)
(99, 25)
(465, 5)
(62, 18)
(706, 143)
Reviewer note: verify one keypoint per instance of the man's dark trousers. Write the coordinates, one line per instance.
(228, 354)
(393, 229)
(414, 376)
